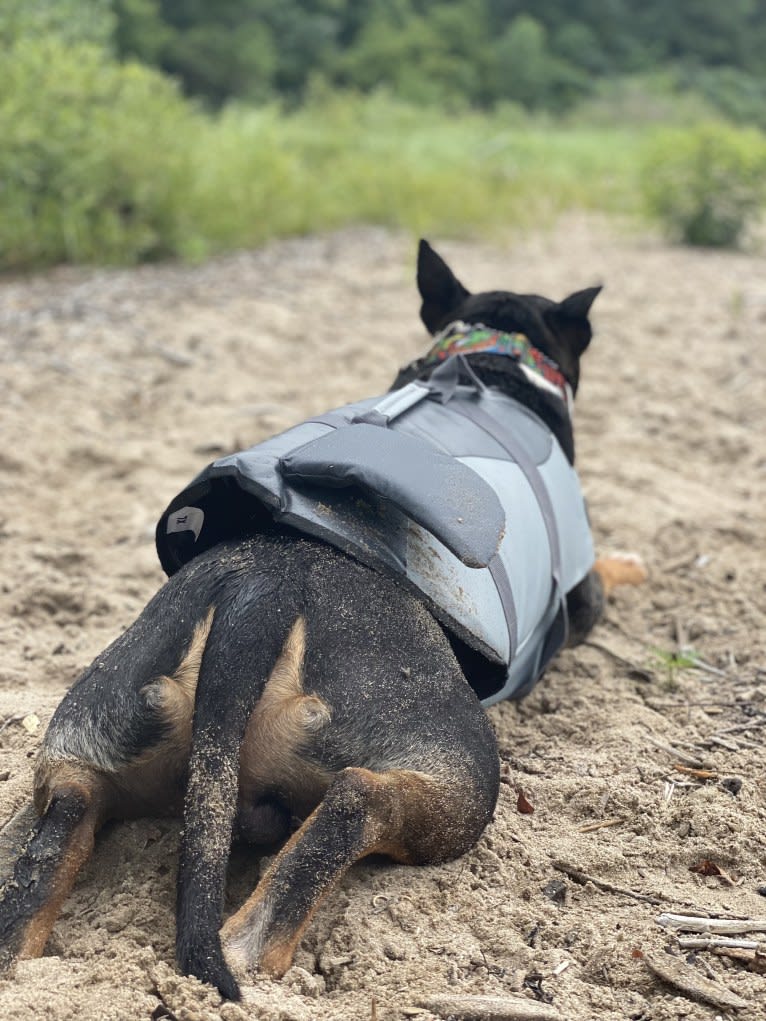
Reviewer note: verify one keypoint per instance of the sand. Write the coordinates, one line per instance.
(117, 386)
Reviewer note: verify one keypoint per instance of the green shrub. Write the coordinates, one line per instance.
(95, 157)
(705, 184)
(106, 162)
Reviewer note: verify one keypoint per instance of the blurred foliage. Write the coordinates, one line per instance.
(94, 156)
(546, 54)
(309, 114)
(106, 162)
(706, 184)
(72, 21)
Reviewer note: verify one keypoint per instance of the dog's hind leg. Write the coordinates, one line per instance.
(413, 817)
(52, 852)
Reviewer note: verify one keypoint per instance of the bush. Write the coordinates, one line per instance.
(95, 157)
(106, 162)
(705, 184)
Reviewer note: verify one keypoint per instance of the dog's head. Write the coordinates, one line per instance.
(560, 330)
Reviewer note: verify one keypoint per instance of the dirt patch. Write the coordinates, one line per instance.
(116, 387)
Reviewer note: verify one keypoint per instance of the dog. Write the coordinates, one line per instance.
(302, 662)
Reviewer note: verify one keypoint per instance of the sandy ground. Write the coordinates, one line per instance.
(117, 386)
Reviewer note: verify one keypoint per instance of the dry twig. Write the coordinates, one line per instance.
(700, 664)
(602, 884)
(688, 760)
(730, 746)
(683, 978)
(602, 824)
(171, 356)
(695, 923)
(489, 1008)
(750, 725)
(635, 668)
(14, 718)
(753, 960)
(699, 774)
(715, 942)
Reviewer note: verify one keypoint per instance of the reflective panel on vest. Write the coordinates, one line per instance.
(525, 548)
(459, 492)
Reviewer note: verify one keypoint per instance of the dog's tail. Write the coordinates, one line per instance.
(246, 638)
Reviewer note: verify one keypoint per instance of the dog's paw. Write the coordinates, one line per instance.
(253, 943)
(243, 938)
(238, 963)
(620, 569)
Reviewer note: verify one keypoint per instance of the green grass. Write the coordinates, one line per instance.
(102, 162)
(669, 664)
(263, 173)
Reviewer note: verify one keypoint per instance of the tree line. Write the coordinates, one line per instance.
(541, 54)
(544, 54)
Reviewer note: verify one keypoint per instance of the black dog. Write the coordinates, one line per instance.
(276, 677)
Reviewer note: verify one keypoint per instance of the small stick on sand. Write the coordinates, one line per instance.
(750, 725)
(489, 1008)
(15, 718)
(602, 884)
(714, 942)
(730, 746)
(688, 760)
(682, 638)
(591, 826)
(692, 923)
(700, 664)
(684, 561)
(683, 978)
(700, 774)
(636, 668)
(171, 356)
(753, 960)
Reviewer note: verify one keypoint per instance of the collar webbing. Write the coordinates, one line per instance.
(461, 338)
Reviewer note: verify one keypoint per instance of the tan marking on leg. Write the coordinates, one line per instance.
(173, 697)
(399, 795)
(279, 956)
(411, 816)
(281, 726)
(67, 779)
(152, 782)
(76, 854)
(620, 569)
(64, 774)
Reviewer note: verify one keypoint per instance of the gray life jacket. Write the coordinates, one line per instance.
(457, 490)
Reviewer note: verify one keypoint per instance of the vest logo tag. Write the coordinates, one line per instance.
(186, 519)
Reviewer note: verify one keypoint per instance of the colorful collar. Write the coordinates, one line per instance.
(474, 338)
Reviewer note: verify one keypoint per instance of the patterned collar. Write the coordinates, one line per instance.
(474, 338)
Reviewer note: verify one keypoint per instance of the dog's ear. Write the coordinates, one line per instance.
(439, 288)
(577, 305)
(569, 318)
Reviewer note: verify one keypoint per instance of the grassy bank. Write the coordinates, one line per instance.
(104, 162)
(378, 161)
